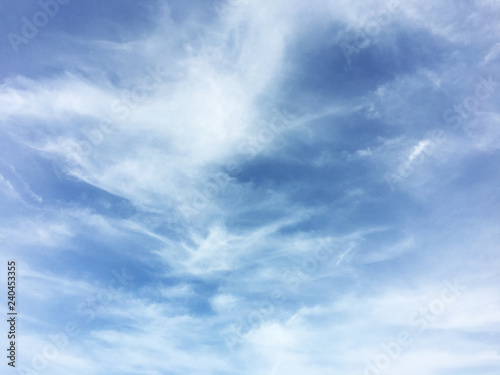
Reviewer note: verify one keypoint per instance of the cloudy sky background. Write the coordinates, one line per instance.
(252, 187)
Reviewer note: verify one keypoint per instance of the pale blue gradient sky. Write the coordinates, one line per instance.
(269, 206)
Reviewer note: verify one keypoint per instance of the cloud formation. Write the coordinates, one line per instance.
(252, 187)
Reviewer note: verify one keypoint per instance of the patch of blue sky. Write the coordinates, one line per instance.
(271, 205)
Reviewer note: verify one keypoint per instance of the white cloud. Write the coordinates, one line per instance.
(165, 144)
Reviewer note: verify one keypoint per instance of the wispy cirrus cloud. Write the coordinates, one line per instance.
(276, 212)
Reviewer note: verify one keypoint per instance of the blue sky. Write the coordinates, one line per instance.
(252, 187)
